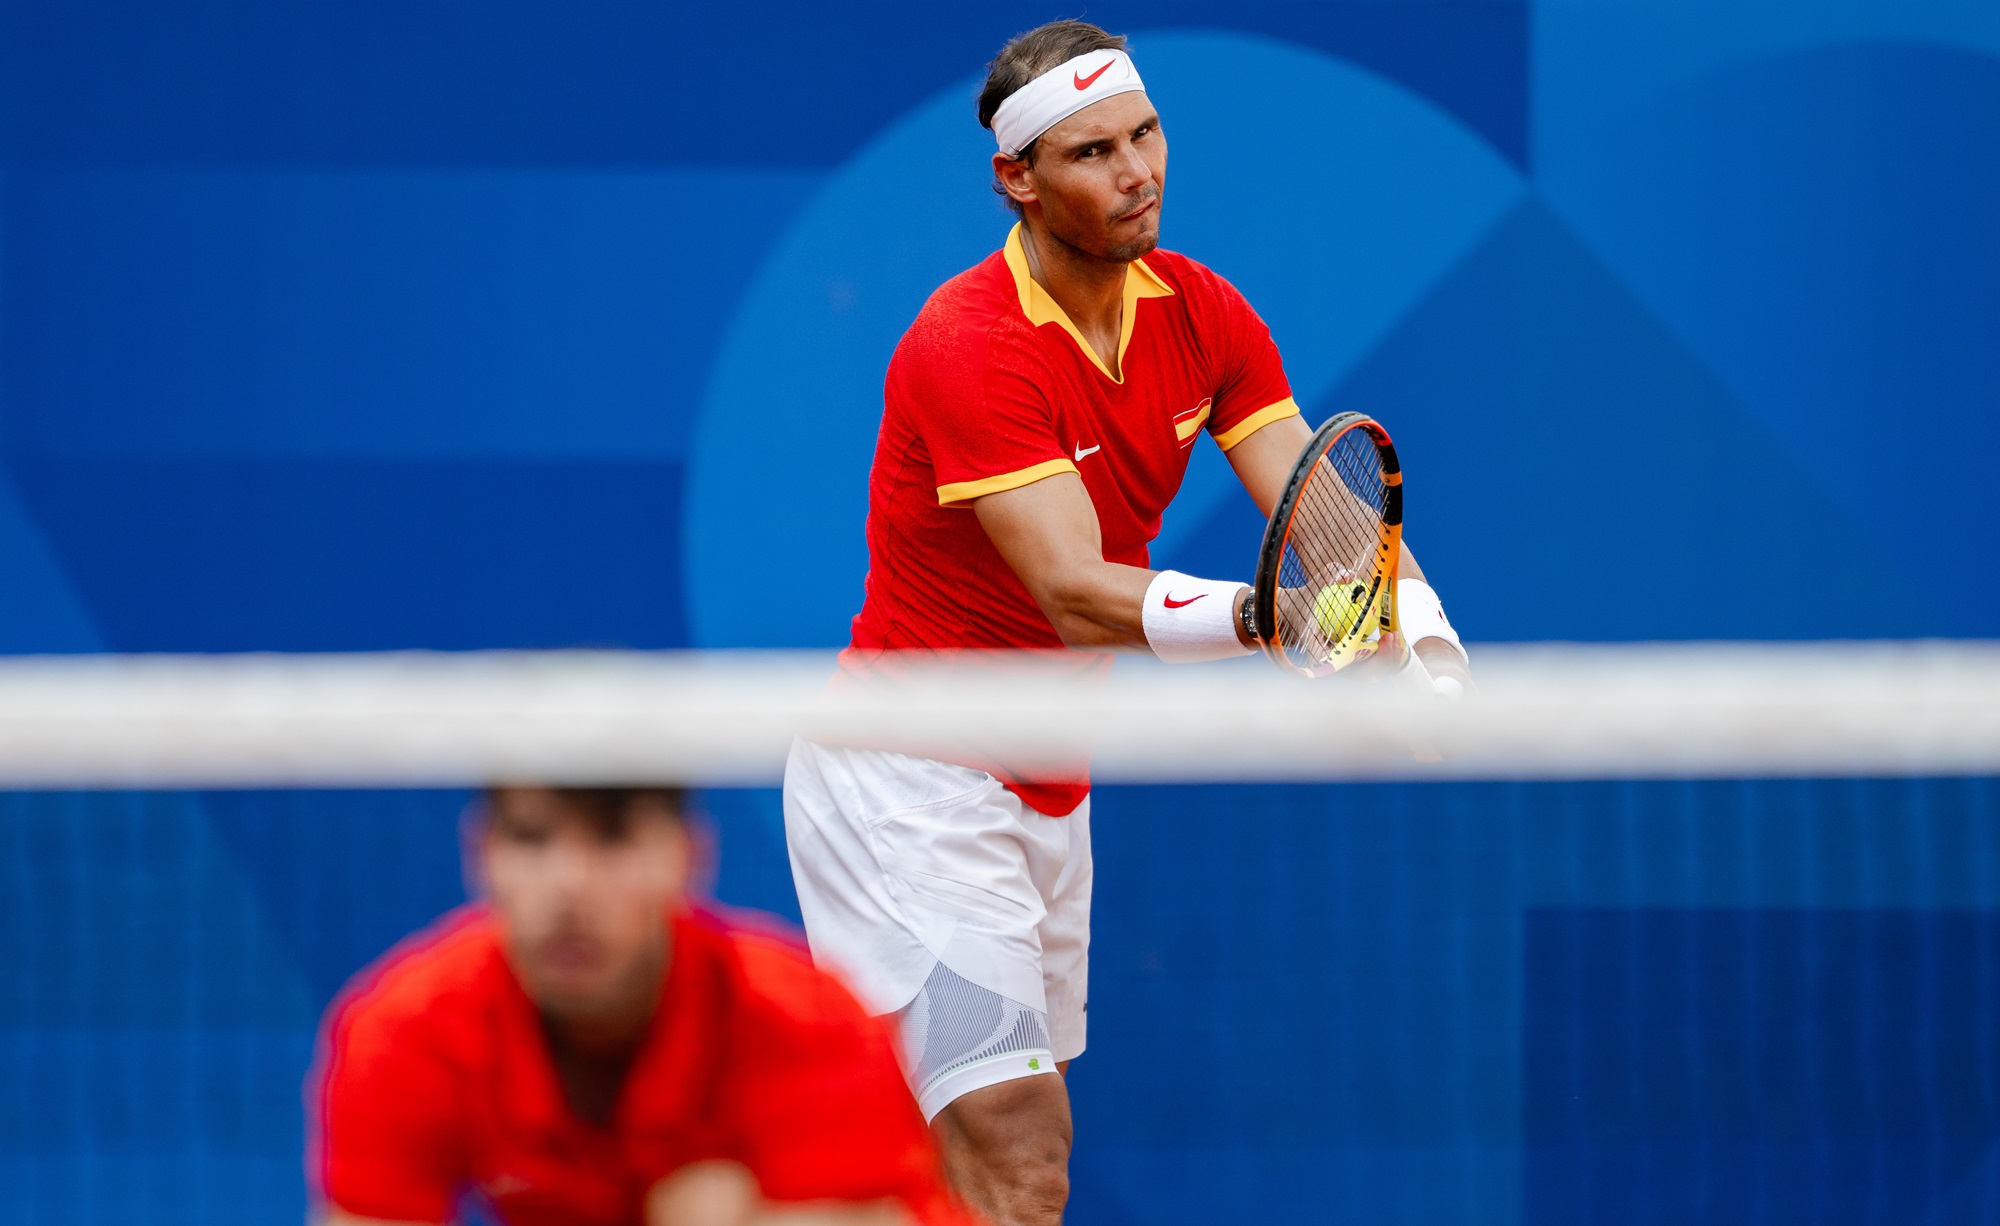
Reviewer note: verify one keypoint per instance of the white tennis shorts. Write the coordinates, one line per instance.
(943, 899)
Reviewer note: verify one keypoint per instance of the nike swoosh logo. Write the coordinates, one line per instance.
(1083, 82)
(1082, 451)
(1171, 603)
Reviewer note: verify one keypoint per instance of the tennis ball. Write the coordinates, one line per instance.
(1339, 609)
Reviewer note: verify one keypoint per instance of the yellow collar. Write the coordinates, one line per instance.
(1140, 282)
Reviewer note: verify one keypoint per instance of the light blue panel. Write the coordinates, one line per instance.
(1532, 362)
(1805, 198)
(777, 488)
(39, 609)
(1601, 64)
(1332, 248)
(377, 313)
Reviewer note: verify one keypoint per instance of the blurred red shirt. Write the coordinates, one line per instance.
(435, 1081)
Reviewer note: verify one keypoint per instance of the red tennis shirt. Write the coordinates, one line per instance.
(993, 387)
(435, 1081)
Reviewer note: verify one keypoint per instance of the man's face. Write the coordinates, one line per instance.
(582, 906)
(1098, 177)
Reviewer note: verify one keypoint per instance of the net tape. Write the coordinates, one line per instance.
(1544, 711)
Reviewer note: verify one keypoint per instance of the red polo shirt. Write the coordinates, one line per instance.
(435, 1080)
(994, 387)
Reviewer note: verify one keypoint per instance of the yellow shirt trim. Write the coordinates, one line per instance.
(1257, 421)
(959, 491)
(1140, 282)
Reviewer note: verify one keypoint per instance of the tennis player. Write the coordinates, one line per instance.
(1038, 418)
(583, 1049)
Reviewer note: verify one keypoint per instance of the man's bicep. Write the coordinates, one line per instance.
(1043, 529)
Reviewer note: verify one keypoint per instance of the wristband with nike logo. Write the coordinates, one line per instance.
(1189, 620)
(1420, 615)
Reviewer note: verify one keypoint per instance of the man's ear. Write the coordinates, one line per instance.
(475, 826)
(700, 854)
(1017, 177)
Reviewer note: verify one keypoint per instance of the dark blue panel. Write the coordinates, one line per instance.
(1754, 1066)
(342, 876)
(404, 313)
(311, 555)
(767, 83)
(153, 1030)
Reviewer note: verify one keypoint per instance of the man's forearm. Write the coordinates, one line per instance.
(1097, 607)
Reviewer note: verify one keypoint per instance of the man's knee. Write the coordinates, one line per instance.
(1009, 1144)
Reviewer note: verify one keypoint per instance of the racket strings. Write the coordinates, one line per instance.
(1335, 537)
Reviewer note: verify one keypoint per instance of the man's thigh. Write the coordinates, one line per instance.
(930, 886)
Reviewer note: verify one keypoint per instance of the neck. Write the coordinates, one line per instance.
(593, 1051)
(616, 1028)
(1089, 288)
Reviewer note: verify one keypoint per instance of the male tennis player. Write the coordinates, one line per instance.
(581, 1049)
(1038, 418)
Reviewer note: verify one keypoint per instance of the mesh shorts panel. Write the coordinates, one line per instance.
(953, 1022)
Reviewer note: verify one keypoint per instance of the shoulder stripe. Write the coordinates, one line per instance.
(1257, 421)
(959, 491)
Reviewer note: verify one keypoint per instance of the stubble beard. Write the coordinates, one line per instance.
(1126, 252)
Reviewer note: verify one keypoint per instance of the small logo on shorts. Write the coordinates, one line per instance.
(1035, 1062)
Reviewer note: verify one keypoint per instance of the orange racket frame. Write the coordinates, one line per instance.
(1289, 536)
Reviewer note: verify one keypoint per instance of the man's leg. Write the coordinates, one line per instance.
(1006, 1150)
(1006, 1147)
(929, 886)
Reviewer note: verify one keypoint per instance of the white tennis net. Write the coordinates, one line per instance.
(1543, 711)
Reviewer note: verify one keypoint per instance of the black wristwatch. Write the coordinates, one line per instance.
(1248, 616)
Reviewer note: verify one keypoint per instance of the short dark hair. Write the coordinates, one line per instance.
(1027, 56)
(610, 809)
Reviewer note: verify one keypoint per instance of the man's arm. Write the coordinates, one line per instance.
(726, 1194)
(1264, 461)
(1048, 533)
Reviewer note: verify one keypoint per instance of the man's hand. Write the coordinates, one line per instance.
(726, 1194)
(1441, 660)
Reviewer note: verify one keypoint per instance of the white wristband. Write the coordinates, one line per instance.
(1420, 616)
(1188, 620)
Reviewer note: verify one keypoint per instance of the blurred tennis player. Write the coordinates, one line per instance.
(582, 1049)
(1038, 419)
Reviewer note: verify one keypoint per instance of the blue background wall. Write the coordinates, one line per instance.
(330, 326)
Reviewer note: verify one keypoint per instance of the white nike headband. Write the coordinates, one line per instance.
(1060, 92)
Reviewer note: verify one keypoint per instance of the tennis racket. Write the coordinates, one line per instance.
(1325, 592)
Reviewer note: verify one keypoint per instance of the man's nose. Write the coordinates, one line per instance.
(570, 866)
(1133, 172)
